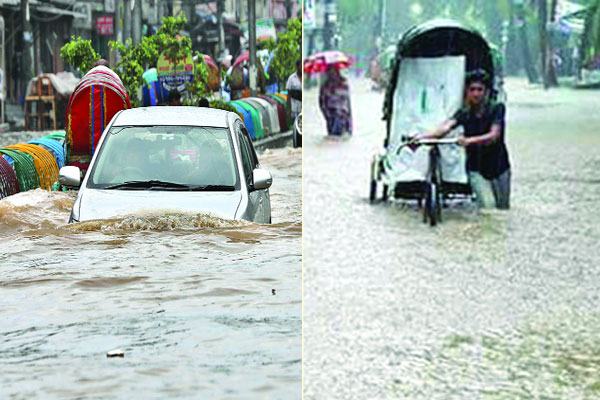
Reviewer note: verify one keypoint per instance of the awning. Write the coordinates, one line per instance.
(59, 11)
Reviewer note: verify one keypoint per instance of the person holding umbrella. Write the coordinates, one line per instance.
(334, 94)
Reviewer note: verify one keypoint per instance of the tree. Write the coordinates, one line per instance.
(520, 22)
(590, 40)
(287, 49)
(79, 54)
(546, 48)
(134, 59)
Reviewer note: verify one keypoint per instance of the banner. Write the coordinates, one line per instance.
(174, 75)
(265, 29)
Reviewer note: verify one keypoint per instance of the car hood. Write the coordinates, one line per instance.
(104, 204)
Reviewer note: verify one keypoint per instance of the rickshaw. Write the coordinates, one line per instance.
(97, 98)
(425, 88)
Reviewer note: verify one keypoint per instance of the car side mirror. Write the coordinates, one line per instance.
(262, 179)
(69, 176)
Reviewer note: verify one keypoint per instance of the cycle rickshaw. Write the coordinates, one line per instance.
(426, 88)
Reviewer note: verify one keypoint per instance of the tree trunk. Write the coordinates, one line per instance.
(524, 44)
(513, 60)
(543, 38)
(585, 41)
(551, 70)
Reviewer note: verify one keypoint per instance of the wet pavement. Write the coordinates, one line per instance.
(487, 305)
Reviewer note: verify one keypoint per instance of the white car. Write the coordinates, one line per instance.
(172, 159)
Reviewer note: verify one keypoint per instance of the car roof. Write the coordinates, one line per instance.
(173, 115)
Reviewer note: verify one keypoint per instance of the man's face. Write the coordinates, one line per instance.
(299, 71)
(476, 92)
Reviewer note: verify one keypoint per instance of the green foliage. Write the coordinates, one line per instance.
(287, 48)
(199, 86)
(135, 59)
(80, 54)
(220, 104)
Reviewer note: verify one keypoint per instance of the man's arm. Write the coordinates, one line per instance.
(498, 112)
(440, 131)
(486, 138)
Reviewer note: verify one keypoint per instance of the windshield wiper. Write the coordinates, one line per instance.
(212, 188)
(149, 185)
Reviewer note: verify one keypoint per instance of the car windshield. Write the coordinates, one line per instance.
(165, 158)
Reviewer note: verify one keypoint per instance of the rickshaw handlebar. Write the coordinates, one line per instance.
(409, 140)
(412, 140)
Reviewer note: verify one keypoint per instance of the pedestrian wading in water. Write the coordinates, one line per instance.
(334, 101)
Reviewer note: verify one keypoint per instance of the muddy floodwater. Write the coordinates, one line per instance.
(487, 305)
(201, 307)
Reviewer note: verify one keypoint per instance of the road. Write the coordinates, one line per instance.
(494, 305)
(201, 307)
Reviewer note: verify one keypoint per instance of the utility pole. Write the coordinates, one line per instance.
(288, 8)
(27, 65)
(382, 20)
(329, 28)
(252, 71)
(137, 21)
(160, 12)
(119, 20)
(126, 20)
(222, 53)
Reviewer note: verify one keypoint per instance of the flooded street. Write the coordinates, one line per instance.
(487, 305)
(201, 307)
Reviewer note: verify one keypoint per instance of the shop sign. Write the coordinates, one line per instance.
(104, 25)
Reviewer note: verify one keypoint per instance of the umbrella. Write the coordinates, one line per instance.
(322, 61)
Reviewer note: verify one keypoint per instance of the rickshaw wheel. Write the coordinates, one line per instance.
(438, 204)
(431, 210)
(373, 191)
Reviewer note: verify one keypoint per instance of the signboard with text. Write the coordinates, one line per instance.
(104, 25)
(175, 74)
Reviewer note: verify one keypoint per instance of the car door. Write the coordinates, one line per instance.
(254, 198)
(264, 199)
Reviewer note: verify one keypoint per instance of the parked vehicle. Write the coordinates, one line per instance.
(97, 98)
(426, 88)
(172, 159)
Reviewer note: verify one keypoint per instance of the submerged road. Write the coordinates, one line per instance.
(487, 305)
(201, 307)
